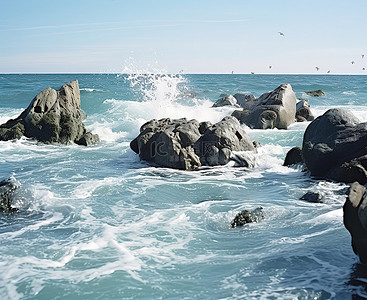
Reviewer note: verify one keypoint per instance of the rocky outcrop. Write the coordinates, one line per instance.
(303, 111)
(316, 93)
(228, 100)
(52, 117)
(293, 157)
(335, 147)
(246, 101)
(7, 188)
(355, 219)
(276, 109)
(246, 216)
(187, 144)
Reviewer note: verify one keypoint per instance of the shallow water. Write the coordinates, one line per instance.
(99, 223)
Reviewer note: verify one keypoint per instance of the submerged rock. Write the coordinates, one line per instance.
(335, 147)
(312, 197)
(316, 93)
(355, 219)
(187, 145)
(7, 188)
(276, 109)
(52, 117)
(246, 216)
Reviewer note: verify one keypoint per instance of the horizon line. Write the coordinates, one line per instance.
(174, 73)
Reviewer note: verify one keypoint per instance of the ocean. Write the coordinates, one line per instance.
(98, 223)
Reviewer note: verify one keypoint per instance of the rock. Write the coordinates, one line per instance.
(203, 126)
(316, 93)
(212, 147)
(7, 188)
(303, 111)
(335, 147)
(168, 143)
(243, 159)
(187, 145)
(294, 156)
(246, 101)
(355, 219)
(228, 100)
(276, 109)
(52, 117)
(312, 197)
(247, 216)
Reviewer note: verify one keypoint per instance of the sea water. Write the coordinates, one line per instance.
(98, 223)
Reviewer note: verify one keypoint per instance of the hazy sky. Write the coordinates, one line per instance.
(193, 36)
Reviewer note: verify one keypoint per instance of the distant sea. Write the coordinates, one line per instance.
(98, 223)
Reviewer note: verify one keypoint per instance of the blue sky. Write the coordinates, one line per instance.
(190, 36)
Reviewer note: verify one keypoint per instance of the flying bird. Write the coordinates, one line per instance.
(269, 67)
(328, 72)
(317, 68)
(281, 33)
(362, 55)
(363, 69)
(352, 62)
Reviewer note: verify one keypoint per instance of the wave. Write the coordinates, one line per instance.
(90, 90)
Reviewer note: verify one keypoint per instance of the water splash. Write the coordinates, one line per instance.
(154, 84)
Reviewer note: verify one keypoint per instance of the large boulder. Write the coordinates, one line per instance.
(335, 147)
(7, 188)
(187, 144)
(215, 146)
(52, 117)
(276, 109)
(355, 219)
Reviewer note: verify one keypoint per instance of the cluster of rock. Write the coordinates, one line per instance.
(7, 189)
(334, 147)
(276, 109)
(52, 117)
(187, 144)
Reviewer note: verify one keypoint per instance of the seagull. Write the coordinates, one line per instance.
(281, 33)
(364, 69)
(328, 72)
(269, 67)
(232, 72)
(362, 55)
(352, 62)
(317, 68)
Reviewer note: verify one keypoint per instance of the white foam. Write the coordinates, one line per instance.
(90, 90)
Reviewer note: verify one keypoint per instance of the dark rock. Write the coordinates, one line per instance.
(52, 117)
(187, 145)
(212, 147)
(246, 101)
(294, 156)
(228, 100)
(312, 197)
(247, 216)
(276, 109)
(316, 93)
(203, 126)
(335, 147)
(355, 219)
(303, 111)
(7, 188)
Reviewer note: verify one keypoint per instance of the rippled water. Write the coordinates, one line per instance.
(98, 223)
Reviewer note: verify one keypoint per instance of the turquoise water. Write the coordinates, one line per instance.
(98, 223)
